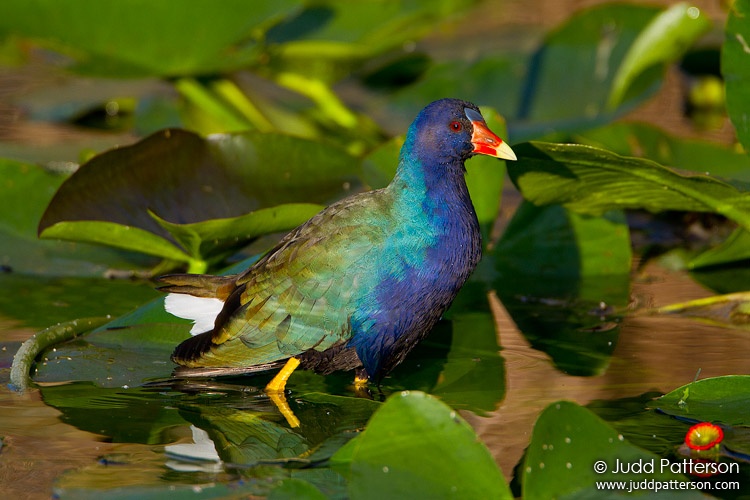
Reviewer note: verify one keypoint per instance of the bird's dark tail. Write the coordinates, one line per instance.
(192, 349)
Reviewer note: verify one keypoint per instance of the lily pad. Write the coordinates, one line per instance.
(718, 399)
(187, 180)
(414, 445)
(204, 238)
(571, 450)
(184, 178)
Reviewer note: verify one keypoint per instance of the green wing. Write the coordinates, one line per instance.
(301, 295)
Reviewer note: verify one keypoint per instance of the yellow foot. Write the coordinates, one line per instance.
(360, 386)
(275, 391)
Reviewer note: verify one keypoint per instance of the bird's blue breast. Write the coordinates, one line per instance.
(415, 283)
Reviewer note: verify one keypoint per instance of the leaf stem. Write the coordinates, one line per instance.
(204, 99)
(229, 92)
(20, 380)
(322, 95)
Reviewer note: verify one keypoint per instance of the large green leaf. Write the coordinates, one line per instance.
(735, 67)
(200, 239)
(665, 39)
(718, 399)
(647, 141)
(184, 179)
(35, 301)
(140, 37)
(208, 194)
(735, 249)
(570, 444)
(414, 445)
(116, 235)
(591, 180)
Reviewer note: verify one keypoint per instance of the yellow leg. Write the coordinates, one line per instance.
(279, 381)
(275, 391)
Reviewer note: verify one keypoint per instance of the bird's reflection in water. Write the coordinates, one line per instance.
(235, 425)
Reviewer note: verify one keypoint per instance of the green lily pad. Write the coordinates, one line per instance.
(591, 180)
(56, 299)
(213, 192)
(296, 488)
(417, 446)
(718, 399)
(185, 179)
(116, 235)
(570, 444)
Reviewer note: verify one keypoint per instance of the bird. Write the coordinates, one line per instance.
(358, 285)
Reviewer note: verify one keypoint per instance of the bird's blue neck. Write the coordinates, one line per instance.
(430, 187)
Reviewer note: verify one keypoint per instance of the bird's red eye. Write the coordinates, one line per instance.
(456, 126)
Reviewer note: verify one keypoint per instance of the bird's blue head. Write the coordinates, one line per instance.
(450, 131)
